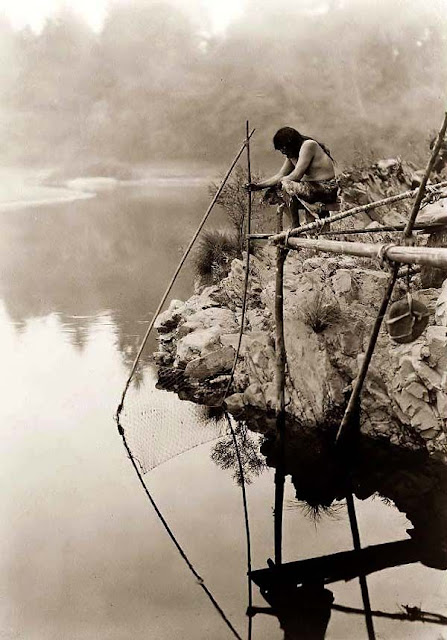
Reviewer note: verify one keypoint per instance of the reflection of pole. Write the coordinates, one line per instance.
(362, 578)
(280, 353)
(414, 614)
(247, 526)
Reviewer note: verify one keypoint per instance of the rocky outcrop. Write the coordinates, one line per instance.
(330, 305)
(382, 179)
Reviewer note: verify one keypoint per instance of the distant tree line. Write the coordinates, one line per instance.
(366, 77)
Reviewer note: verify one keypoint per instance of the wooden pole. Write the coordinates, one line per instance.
(279, 238)
(246, 282)
(249, 202)
(177, 271)
(250, 584)
(423, 185)
(429, 228)
(280, 380)
(431, 256)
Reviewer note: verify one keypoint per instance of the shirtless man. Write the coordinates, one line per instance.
(308, 172)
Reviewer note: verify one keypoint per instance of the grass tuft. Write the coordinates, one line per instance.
(214, 255)
(319, 314)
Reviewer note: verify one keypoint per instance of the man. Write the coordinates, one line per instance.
(307, 174)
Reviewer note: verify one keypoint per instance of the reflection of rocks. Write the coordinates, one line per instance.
(330, 305)
(413, 480)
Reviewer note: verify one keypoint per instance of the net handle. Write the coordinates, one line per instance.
(177, 271)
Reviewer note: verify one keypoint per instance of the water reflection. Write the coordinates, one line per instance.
(413, 481)
(113, 253)
(79, 282)
(322, 474)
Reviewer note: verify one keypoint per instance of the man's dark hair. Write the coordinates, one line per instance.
(290, 140)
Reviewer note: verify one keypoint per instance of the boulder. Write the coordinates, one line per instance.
(435, 213)
(212, 364)
(196, 344)
(404, 398)
(441, 307)
(437, 345)
(208, 317)
(169, 319)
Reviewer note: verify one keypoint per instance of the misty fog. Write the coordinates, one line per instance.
(367, 77)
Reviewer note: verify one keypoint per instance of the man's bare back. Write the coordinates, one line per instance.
(313, 163)
(307, 174)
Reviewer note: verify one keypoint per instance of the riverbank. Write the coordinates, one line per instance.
(330, 307)
(28, 187)
(21, 188)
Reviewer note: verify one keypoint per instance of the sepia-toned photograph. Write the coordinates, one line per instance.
(223, 319)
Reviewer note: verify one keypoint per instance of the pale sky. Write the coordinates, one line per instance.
(34, 12)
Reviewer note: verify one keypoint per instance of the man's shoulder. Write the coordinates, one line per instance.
(309, 145)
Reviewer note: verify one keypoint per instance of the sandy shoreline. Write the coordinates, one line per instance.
(27, 203)
(22, 188)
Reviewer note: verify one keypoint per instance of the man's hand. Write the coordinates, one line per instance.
(252, 186)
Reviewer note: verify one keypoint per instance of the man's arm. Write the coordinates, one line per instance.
(286, 170)
(306, 156)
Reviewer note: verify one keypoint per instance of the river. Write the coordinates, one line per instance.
(82, 553)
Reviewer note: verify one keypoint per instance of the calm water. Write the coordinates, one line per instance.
(82, 554)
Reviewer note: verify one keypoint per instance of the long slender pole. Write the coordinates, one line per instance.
(249, 193)
(442, 253)
(177, 271)
(362, 578)
(280, 380)
(423, 185)
(250, 584)
(311, 226)
(429, 227)
(431, 256)
(246, 286)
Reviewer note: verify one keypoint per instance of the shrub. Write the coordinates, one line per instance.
(214, 255)
(319, 314)
(234, 201)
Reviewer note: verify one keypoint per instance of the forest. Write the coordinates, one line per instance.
(367, 77)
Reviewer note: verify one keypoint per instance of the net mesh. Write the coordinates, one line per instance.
(160, 426)
(156, 425)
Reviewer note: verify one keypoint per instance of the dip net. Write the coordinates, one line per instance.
(160, 426)
(157, 425)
